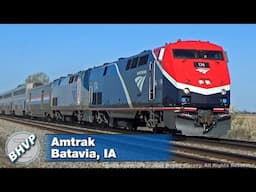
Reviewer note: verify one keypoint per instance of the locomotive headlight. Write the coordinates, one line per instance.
(208, 82)
(223, 92)
(200, 81)
(185, 100)
(225, 100)
(186, 91)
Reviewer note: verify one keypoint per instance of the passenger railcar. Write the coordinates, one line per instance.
(6, 103)
(13, 102)
(19, 101)
(39, 102)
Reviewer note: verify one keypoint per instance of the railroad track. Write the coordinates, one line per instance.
(212, 150)
(69, 127)
(184, 149)
(56, 127)
(231, 143)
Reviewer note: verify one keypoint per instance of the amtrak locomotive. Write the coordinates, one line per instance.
(182, 86)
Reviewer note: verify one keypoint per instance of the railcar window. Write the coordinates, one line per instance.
(128, 64)
(76, 77)
(19, 92)
(143, 60)
(55, 82)
(42, 95)
(71, 79)
(7, 95)
(37, 84)
(105, 71)
(134, 62)
(59, 82)
(197, 54)
(181, 53)
(216, 55)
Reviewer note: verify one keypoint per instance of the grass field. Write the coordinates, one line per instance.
(243, 127)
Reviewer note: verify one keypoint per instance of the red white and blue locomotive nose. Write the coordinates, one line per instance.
(198, 71)
(196, 76)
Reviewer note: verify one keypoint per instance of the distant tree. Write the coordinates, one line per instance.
(38, 78)
(244, 111)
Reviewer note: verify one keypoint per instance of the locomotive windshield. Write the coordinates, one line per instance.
(197, 54)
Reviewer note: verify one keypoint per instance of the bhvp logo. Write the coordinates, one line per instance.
(22, 147)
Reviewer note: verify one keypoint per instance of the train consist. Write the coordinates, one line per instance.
(182, 86)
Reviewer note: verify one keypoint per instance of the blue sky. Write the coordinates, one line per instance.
(60, 49)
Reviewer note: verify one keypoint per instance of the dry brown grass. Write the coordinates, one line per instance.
(243, 127)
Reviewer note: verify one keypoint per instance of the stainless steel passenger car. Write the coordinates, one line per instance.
(19, 101)
(6, 103)
(39, 101)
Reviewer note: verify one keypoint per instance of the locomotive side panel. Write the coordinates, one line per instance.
(143, 80)
(64, 95)
(108, 94)
(106, 88)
